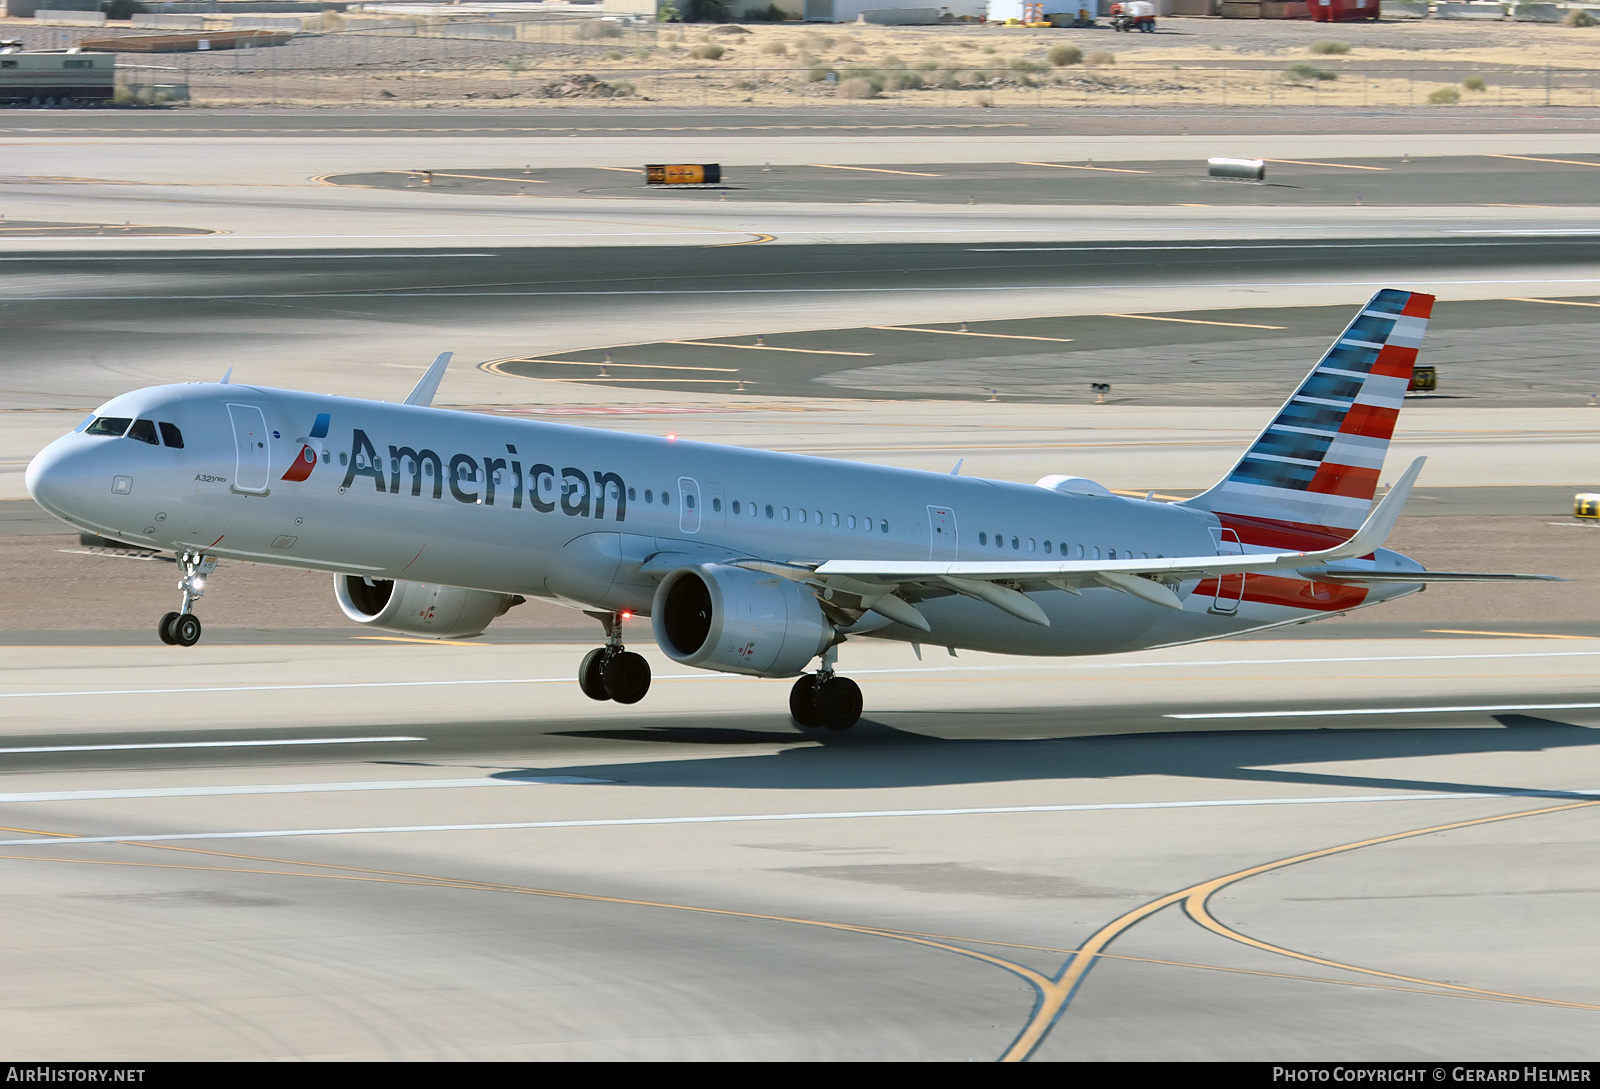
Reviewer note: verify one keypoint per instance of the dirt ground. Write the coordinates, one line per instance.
(53, 586)
(1190, 61)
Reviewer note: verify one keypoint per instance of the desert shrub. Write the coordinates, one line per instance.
(707, 51)
(926, 64)
(122, 97)
(515, 64)
(819, 72)
(1444, 96)
(668, 13)
(775, 49)
(891, 61)
(851, 49)
(1023, 64)
(1302, 72)
(1578, 17)
(622, 88)
(1473, 83)
(858, 88)
(871, 75)
(902, 80)
(987, 49)
(1063, 55)
(613, 55)
(1328, 46)
(984, 99)
(643, 52)
(949, 78)
(595, 29)
(1100, 56)
(813, 41)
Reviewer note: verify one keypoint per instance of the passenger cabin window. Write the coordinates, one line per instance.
(8, 64)
(144, 431)
(78, 64)
(172, 436)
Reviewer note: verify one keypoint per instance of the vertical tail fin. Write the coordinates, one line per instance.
(1311, 475)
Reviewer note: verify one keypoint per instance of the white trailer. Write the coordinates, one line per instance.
(56, 77)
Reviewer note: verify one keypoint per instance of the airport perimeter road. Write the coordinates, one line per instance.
(689, 123)
(1267, 851)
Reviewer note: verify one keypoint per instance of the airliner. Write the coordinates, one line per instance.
(435, 522)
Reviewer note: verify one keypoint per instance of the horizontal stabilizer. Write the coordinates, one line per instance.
(1432, 576)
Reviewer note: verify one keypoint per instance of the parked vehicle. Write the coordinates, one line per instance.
(55, 78)
(1134, 15)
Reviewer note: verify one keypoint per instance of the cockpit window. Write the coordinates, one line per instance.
(144, 431)
(109, 425)
(172, 436)
(87, 420)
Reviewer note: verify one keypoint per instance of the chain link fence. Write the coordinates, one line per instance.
(254, 77)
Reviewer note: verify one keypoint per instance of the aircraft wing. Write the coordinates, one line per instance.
(884, 586)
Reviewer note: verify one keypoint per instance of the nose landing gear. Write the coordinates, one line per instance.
(610, 672)
(183, 628)
(825, 699)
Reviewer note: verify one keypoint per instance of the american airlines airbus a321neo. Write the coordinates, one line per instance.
(435, 522)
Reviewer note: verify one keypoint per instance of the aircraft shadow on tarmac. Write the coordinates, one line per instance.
(874, 755)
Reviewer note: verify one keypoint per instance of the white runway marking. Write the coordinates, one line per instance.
(878, 290)
(211, 744)
(98, 258)
(1325, 713)
(864, 814)
(289, 788)
(1056, 664)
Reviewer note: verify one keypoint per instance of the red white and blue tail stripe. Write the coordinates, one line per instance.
(1312, 474)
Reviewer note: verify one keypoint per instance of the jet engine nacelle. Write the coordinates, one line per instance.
(419, 608)
(738, 621)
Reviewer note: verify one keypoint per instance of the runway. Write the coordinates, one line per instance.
(532, 878)
(1365, 839)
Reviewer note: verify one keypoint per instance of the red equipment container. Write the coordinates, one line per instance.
(1343, 11)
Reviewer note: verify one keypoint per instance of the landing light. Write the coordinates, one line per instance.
(672, 436)
(627, 615)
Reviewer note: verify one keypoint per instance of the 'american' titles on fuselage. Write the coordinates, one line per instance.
(574, 497)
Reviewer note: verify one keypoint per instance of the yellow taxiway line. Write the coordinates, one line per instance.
(1195, 321)
(874, 170)
(966, 333)
(1073, 166)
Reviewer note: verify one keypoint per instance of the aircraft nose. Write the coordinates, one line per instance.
(57, 478)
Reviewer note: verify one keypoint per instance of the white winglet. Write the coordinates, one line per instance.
(425, 389)
(1375, 530)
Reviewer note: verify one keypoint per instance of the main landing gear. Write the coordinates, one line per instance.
(824, 698)
(182, 628)
(610, 672)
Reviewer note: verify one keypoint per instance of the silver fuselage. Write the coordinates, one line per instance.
(570, 513)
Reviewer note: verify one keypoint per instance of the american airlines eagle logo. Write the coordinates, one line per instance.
(306, 459)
